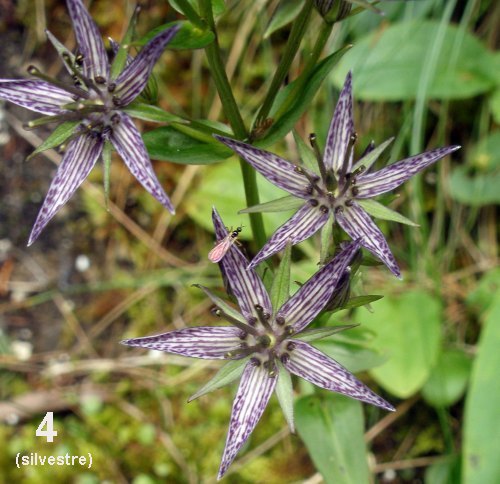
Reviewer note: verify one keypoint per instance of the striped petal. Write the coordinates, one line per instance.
(314, 366)
(313, 296)
(207, 342)
(128, 142)
(341, 129)
(133, 79)
(254, 392)
(305, 222)
(89, 41)
(390, 177)
(39, 96)
(245, 284)
(358, 225)
(277, 170)
(79, 159)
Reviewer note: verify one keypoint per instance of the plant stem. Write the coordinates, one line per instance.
(191, 14)
(233, 115)
(296, 34)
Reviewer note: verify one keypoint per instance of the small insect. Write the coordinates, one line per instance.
(221, 248)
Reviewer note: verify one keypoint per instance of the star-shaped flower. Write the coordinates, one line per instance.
(339, 188)
(270, 342)
(94, 105)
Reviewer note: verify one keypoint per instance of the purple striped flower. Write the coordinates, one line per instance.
(93, 103)
(266, 339)
(339, 187)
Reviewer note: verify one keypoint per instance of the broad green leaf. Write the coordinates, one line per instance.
(378, 210)
(222, 184)
(485, 292)
(284, 204)
(332, 428)
(283, 15)
(284, 392)
(147, 112)
(57, 137)
(298, 104)
(408, 333)
(444, 472)
(188, 37)
(387, 69)
(218, 6)
(481, 437)
(475, 190)
(169, 144)
(280, 290)
(448, 379)
(230, 372)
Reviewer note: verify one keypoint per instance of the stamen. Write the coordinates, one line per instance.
(35, 123)
(319, 156)
(271, 368)
(312, 181)
(244, 327)
(34, 71)
(347, 156)
(243, 351)
(263, 317)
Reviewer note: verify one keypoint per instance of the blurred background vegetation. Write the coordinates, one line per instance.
(427, 72)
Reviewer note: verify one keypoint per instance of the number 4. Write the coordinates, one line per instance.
(48, 423)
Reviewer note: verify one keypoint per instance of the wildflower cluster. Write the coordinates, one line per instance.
(265, 341)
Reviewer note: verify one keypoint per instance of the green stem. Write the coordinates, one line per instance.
(233, 115)
(296, 35)
(312, 59)
(191, 14)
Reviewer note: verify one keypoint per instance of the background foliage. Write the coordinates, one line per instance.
(427, 73)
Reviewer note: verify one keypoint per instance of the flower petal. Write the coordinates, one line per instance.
(39, 96)
(316, 367)
(245, 284)
(358, 225)
(390, 177)
(133, 79)
(277, 170)
(128, 142)
(341, 129)
(254, 392)
(89, 41)
(313, 296)
(306, 221)
(208, 342)
(75, 166)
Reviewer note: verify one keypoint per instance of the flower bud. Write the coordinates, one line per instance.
(333, 10)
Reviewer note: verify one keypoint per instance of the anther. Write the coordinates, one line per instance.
(323, 209)
(339, 209)
(263, 317)
(111, 86)
(313, 202)
(349, 203)
(285, 358)
(319, 156)
(100, 80)
(290, 346)
(280, 320)
(255, 362)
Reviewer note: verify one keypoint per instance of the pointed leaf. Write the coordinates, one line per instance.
(284, 392)
(357, 301)
(57, 137)
(319, 333)
(221, 304)
(283, 15)
(147, 112)
(280, 290)
(306, 153)
(372, 156)
(230, 372)
(280, 205)
(122, 57)
(378, 210)
(63, 52)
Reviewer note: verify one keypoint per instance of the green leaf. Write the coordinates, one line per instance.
(147, 112)
(169, 144)
(485, 292)
(106, 163)
(284, 392)
(481, 437)
(283, 15)
(120, 58)
(448, 379)
(331, 426)
(222, 182)
(358, 301)
(377, 210)
(495, 105)
(230, 372)
(407, 330)
(57, 137)
(371, 157)
(283, 204)
(320, 333)
(188, 37)
(444, 472)
(387, 69)
(305, 152)
(280, 290)
(326, 239)
(298, 104)
(221, 304)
